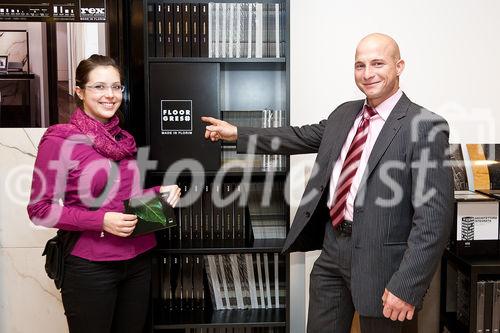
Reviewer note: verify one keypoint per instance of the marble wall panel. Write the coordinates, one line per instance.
(18, 148)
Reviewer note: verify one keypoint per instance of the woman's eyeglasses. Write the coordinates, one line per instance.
(102, 88)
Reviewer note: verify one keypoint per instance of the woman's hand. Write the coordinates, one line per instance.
(119, 224)
(171, 194)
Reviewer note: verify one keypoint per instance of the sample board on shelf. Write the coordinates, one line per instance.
(179, 94)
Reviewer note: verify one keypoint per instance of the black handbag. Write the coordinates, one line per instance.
(56, 250)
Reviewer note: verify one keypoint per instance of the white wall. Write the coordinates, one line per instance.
(450, 46)
(84, 39)
(102, 33)
(62, 51)
(95, 38)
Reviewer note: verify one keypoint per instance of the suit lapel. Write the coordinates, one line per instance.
(387, 134)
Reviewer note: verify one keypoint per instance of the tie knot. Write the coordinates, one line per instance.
(369, 112)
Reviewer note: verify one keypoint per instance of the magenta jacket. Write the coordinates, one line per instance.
(69, 174)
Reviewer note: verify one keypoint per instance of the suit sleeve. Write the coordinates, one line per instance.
(432, 200)
(290, 140)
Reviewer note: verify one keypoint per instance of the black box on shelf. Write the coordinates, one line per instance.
(495, 194)
(180, 93)
(475, 230)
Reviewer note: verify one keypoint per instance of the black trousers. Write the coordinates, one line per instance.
(331, 309)
(105, 297)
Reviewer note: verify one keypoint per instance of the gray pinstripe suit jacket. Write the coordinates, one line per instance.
(395, 246)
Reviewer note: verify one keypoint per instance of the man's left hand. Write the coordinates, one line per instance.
(395, 308)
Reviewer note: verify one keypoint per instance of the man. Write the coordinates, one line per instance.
(382, 215)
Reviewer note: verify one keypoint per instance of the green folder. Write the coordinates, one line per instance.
(152, 213)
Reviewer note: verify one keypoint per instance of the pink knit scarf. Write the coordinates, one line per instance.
(107, 139)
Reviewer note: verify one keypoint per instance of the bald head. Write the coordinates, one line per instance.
(382, 41)
(377, 67)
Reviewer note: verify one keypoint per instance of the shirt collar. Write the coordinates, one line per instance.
(384, 109)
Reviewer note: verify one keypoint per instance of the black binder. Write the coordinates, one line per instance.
(178, 30)
(186, 30)
(195, 31)
(153, 214)
(488, 306)
(160, 23)
(165, 290)
(207, 225)
(175, 281)
(239, 215)
(187, 282)
(495, 326)
(169, 30)
(186, 223)
(151, 31)
(228, 211)
(265, 29)
(198, 291)
(175, 231)
(196, 212)
(204, 30)
(180, 93)
(217, 231)
(282, 27)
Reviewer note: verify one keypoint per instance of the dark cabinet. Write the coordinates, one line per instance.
(18, 105)
(228, 60)
(459, 292)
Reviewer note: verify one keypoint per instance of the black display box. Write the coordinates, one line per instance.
(476, 225)
(180, 93)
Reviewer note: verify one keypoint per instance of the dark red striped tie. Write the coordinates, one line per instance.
(350, 166)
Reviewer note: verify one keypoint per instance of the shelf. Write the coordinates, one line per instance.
(167, 319)
(218, 60)
(225, 247)
(219, 1)
(253, 172)
(239, 84)
(492, 264)
(243, 110)
(258, 172)
(16, 76)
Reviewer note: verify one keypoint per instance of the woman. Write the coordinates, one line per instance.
(83, 172)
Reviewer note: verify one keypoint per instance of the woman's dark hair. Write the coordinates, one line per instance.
(88, 65)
